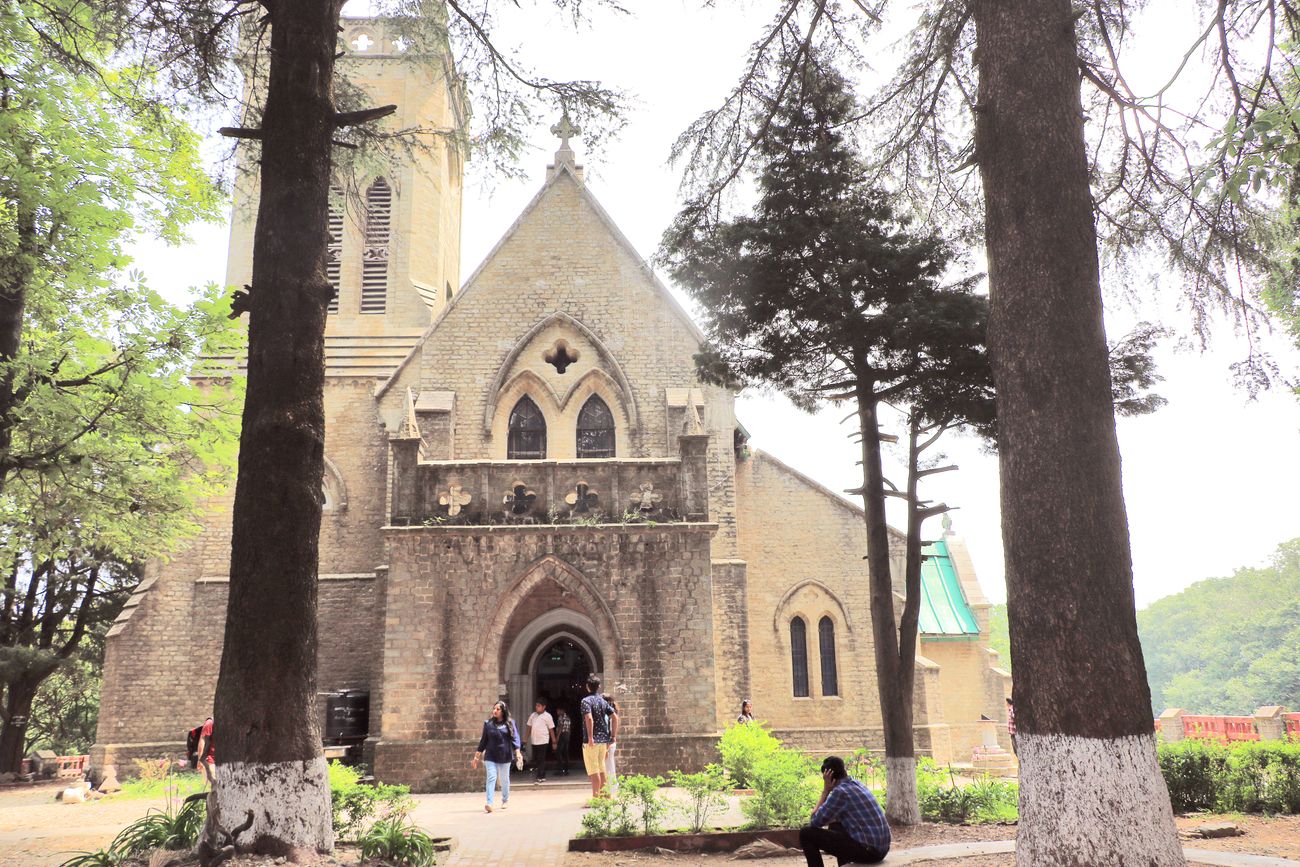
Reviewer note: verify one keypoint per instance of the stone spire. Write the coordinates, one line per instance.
(565, 130)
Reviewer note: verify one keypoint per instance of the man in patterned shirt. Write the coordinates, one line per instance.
(848, 823)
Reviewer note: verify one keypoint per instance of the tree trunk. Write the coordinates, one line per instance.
(267, 732)
(19, 695)
(1091, 791)
(16, 274)
(901, 806)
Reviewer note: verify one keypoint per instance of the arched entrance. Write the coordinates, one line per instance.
(550, 657)
(560, 668)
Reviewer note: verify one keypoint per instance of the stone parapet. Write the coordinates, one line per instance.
(520, 492)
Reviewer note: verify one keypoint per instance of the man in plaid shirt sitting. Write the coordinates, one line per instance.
(848, 823)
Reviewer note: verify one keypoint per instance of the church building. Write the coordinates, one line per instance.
(526, 483)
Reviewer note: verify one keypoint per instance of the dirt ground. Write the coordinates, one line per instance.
(37, 830)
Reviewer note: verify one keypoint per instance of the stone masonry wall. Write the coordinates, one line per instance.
(160, 668)
(452, 593)
(791, 533)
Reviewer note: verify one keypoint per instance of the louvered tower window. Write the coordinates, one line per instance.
(826, 644)
(799, 656)
(334, 252)
(374, 258)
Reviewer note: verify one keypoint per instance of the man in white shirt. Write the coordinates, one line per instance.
(541, 734)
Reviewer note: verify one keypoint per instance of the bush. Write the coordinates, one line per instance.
(742, 747)
(608, 817)
(395, 841)
(637, 807)
(786, 787)
(1193, 771)
(355, 805)
(942, 800)
(866, 767)
(707, 791)
(1261, 777)
(642, 793)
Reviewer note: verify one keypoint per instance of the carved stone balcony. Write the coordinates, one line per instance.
(600, 491)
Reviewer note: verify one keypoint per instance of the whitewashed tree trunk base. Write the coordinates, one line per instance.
(901, 805)
(290, 802)
(1093, 801)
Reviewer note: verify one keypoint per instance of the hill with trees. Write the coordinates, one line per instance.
(1228, 645)
(1223, 645)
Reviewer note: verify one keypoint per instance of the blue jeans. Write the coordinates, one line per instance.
(494, 770)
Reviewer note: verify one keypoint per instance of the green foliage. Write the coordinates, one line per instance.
(983, 801)
(356, 806)
(1227, 645)
(742, 747)
(608, 817)
(866, 767)
(786, 787)
(1000, 634)
(1259, 777)
(397, 842)
(98, 858)
(1192, 770)
(637, 808)
(173, 829)
(642, 792)
(180, 784)
(707, 792)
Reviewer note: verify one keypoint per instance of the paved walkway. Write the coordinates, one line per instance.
(535, 830)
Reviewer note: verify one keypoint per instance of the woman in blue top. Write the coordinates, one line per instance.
(499, 742)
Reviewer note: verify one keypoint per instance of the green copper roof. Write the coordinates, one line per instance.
(944, 610)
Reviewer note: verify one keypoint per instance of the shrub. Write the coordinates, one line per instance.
(1261, 778)
(608, 817)
(397, 842)
(866, 767)
(985, 800)
(786, 787)
(742, 747)
(637, 806)
(354, 805)
(707, 791)
(642, 794)
(1193, 770)
(151, 770)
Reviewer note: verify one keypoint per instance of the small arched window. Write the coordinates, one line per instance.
(595, 429)
(527, 439)
(374, 258)
(799, 656)
(826, 644)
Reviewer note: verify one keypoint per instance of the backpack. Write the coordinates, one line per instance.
(192, 745)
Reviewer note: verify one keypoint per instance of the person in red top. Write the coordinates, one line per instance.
(1011, 722)
(206, 752)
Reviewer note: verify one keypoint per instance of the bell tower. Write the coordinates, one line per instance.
(394, 235)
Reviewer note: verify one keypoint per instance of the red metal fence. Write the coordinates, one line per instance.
(1221, 728)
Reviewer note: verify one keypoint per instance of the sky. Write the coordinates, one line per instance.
(1209, 480)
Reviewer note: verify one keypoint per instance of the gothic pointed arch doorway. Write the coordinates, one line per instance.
(550, 658)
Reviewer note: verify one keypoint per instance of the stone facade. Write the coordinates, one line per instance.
(455, 571)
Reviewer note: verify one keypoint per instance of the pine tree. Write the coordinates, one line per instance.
(825, 293)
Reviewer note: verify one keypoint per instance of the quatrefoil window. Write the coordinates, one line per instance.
(560, 356)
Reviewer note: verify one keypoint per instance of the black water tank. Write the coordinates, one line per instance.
(347, 716)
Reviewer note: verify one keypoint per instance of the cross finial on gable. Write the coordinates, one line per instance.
(565, 130)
